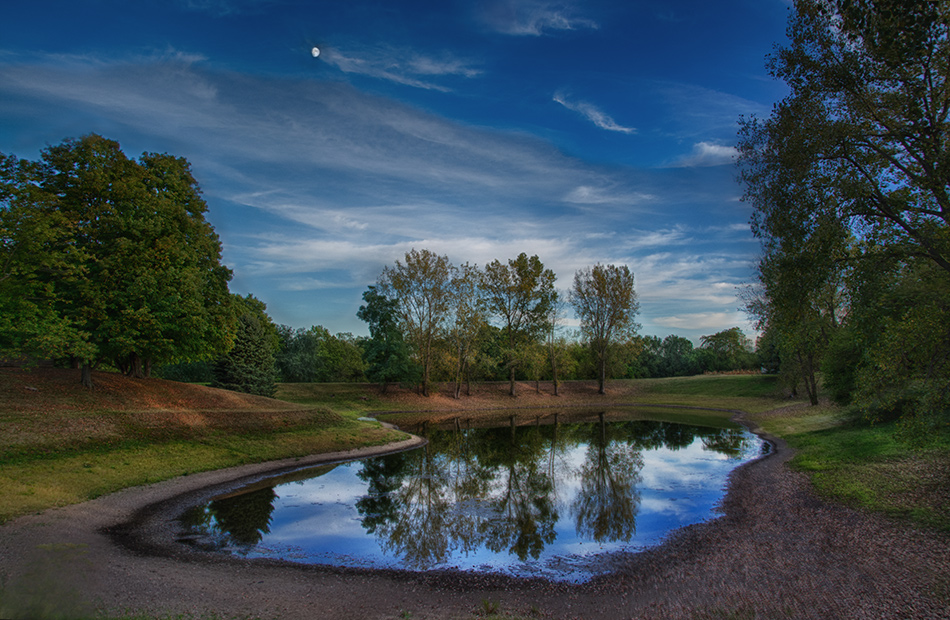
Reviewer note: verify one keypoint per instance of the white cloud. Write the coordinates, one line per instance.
(400, 65)
(708, 154)
(703, 320)
(595, 195)
(533, 17)
(593, 114)
(314, 185)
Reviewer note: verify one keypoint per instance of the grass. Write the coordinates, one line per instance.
(750, 393)
(865, 465)
(62, 444)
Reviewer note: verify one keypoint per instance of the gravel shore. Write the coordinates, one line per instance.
(777, 552)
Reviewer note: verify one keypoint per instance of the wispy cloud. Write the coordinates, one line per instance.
(315, 185)
(533, 17)
(593, 114)
(708, 154)
(225, 7)
(400, 65)
(598, 195)
(704, 320)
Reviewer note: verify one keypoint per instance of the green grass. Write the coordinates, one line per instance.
(34, 484)
(867, 466)
(750, 393)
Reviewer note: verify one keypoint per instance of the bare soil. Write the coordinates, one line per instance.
(778, 551)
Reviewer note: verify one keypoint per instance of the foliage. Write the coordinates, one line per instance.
(249, 365)
(468, 315)
(606, 303)
(386, 352)
(422, 287)
(849, 181)
(36, 261)
(727, 350)
(313, 354)
(113, 257)
(519, 294)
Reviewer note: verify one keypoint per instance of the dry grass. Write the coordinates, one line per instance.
(63, 444)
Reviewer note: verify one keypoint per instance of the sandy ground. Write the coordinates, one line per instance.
(777, 552)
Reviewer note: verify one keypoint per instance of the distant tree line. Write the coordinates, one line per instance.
(433, 322)
(108, 262)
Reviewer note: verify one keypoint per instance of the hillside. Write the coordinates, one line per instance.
(46, 409)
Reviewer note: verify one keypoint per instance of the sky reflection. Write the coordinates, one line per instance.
(534, 501)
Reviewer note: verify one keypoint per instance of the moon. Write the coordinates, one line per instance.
(315, 52)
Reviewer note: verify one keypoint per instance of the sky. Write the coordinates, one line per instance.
(582, 132)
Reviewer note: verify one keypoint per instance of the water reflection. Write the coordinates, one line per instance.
(520, 499)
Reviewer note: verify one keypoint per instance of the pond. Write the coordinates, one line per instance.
(532, 497)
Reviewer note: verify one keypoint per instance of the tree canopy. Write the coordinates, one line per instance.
(606, 303)
(113, 257)
(849, 178)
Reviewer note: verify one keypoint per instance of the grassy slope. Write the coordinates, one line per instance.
(61, 444)
(865, 465)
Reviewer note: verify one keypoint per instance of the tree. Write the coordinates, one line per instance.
(869, 107)
(606, 303)
(729, 349)
(423, 289)
(386, 352)
(249, 365)
(519, 294)
(849, 175)
(36, 262)
(132, 270)
(467, 317)
(556, 344)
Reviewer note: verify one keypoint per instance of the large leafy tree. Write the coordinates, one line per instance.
(36, 263)
(132, 273)
(519, 294)
(606, 303)
(851, 175)
(422, 286)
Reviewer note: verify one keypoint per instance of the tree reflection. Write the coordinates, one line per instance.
(491, 489)
(384, 477)
(606, 506)
(240, 520)
(730, 442)
(524, 511)
(418, 530)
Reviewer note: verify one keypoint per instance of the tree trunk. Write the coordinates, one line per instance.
(458, 374)
(602, 378)
(134, 366)
(554, 372)
(85, 375)
(511, 386)
(808, 377)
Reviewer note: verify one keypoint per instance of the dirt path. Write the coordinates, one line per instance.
(778, 552)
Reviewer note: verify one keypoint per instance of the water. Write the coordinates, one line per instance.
(549, 500)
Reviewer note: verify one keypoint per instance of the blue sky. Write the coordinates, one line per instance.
(582, 132)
